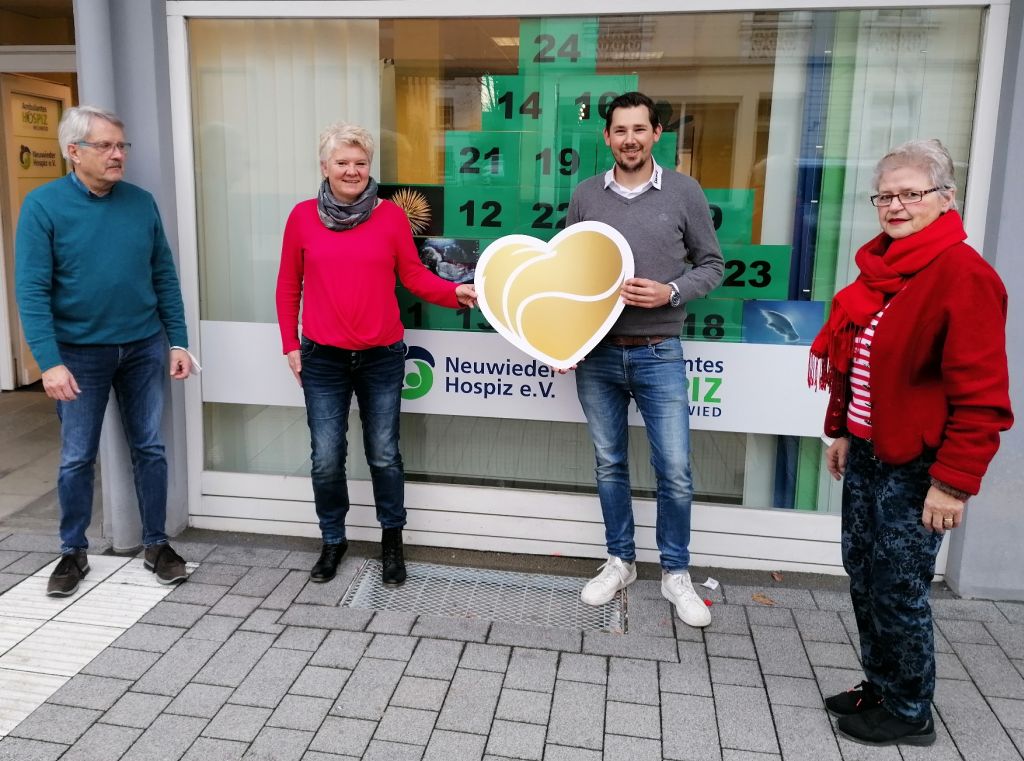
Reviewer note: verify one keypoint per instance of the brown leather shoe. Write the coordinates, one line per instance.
(71, 569)
(167, 564)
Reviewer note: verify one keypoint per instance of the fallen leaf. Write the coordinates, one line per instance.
(762, 598)
(776, 575)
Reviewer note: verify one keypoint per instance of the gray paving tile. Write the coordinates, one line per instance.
(156, 639)
(320, 682)
(783, 597)
(577, 715)
(735, 671)
(727, 619)
(342, 735)
(544, 638)
(26, 542)
(729, 754)
(832, 654)
(300, 638)
(391, 622)
(417, 692)
(177, 667)
(237, 606)
(632, 748)
(632, 719)
(443, 627)
(300, 560)
(9, 556)
(194, 552)
(29, 563)
(214, 628)
(991, 670)
(651, 617)
(259, 582)
(341, 650)
(689, 676)
(630, 646)
(55, 724)
(943, 749)
(270, 678)
(367, 692)
(793, 691)
(762, 615)
(632, 681)
(744, 721)
(1010, 637)
(96, 692)
(323, 617)
(1014, 611)
(200, 700)
(972, 632)
(1009, 712)
(211, 749)
(300, 712)
(974, 728)
(969, 610)
(941, 643)
(485, 657)
(136, 709)
(564, 753)
(222, 574)
(948, 666)
(780, 651)
(235, 658)
(284, 594)
(524, 706)
(237, 722)
(471, 701)
(174, 614)
(17, 749)
(167, 738)
(828, 599)
(821, 626)
(514, 740)
(730, 645)
(576, 667)
(263, 620)
(247, 556)
(121, 663)
(8, 580)
(805, 734)
(385, 750)
(833, 681)
(531, 669)
(315, 755)
(391, 647)
(696, 738)
(435, 659)
(275, 744)
(331, 592)
(101, 742)
(198, 594)
(454, 746)
(407, 725)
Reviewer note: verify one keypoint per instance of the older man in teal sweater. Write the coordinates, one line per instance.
(101, 305)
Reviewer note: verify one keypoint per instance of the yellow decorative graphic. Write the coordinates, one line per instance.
(416, 208)
(555, 300)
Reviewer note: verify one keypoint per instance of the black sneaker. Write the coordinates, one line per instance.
(879, 727)
(167, 564)
(392, 557)
(859, 699)
(327, 565)
(71, 569)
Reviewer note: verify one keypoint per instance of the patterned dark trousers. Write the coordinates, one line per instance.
(890, 558)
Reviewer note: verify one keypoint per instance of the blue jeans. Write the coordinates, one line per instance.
(137, 372)
(890, 558)
(655, 376)
(329, 377)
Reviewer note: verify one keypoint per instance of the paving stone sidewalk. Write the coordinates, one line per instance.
(247, 660)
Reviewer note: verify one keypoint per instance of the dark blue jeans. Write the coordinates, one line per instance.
(137, 372)
(890, 558)
(329, 378)
(655, 376)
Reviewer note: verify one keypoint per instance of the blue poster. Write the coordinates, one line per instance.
(782, 322)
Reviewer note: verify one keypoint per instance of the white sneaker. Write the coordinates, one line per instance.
(615, 574)
(678, 590)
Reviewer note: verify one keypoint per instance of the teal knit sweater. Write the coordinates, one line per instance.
(94, 269)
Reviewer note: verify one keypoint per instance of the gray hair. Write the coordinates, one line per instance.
(930, 156)
(76, 124)
(342, 133)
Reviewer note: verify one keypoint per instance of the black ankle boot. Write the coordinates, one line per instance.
(327, 565)
(392, 557)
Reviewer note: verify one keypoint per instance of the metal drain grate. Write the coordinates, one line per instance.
(458, 592)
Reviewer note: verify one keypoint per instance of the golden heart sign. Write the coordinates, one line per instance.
(555, 300)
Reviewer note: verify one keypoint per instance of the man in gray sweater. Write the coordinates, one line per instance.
(666, 219)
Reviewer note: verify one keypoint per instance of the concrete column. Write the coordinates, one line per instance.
(985, 558)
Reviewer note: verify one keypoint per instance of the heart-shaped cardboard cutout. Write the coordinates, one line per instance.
(555, 300)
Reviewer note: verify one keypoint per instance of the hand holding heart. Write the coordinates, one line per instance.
(557, 300)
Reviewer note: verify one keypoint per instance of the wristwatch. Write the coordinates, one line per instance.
(674, 298)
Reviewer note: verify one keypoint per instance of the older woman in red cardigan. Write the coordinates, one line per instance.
(914, 357)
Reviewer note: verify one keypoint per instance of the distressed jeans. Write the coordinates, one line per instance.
(655, 376)
(330, 376)
(137, 372)
(890, 558)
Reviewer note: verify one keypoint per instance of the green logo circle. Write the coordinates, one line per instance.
(25, 157)
(417, 384)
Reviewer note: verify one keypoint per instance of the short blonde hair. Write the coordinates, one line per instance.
(342, 133)
(930, 156)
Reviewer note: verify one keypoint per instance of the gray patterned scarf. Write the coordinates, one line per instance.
(344, 216)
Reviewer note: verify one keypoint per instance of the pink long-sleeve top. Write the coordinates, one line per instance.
(346, 280)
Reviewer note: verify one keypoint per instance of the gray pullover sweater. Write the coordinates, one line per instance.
(672, 237)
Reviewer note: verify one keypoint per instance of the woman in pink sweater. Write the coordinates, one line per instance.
(341, 254)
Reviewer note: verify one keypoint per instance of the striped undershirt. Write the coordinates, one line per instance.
(858, 414)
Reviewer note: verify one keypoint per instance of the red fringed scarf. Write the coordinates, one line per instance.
(885, 266)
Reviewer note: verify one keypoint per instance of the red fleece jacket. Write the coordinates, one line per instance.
(939, 378)
(346, 280)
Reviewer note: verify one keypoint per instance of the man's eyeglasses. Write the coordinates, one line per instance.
(105, 146)
(906, 197)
